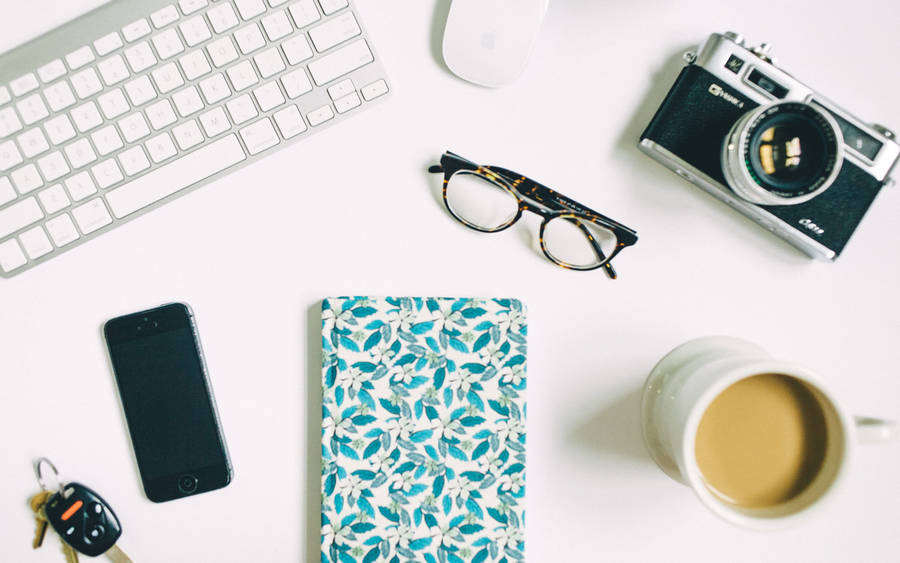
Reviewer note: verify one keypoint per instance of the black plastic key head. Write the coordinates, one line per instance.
(83, 520)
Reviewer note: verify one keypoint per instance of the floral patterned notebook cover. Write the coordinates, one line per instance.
(423, 430)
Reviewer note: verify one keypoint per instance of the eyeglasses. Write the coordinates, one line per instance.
(490, 199)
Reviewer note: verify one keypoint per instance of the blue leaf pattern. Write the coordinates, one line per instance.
(423, 431)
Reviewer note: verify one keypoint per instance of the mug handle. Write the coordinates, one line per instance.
(870, 430)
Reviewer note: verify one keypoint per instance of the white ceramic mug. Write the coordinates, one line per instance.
(685, 382)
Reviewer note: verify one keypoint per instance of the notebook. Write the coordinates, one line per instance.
(423, 430)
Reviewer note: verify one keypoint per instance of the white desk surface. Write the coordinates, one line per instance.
(352, 211)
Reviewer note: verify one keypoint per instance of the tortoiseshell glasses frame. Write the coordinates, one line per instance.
(537, 198)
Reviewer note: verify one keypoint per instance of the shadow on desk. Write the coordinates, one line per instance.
(614, 431)
(312, 486)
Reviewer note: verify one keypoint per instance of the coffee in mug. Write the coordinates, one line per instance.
(762, 442)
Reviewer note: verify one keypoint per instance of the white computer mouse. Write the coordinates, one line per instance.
(489, 42)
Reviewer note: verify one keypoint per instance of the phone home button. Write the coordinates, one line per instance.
(187, 484)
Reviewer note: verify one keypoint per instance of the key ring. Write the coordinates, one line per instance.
(39, 462)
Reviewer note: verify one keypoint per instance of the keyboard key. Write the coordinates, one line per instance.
(334, 31)
(341, 89)
(59, 96)
(188, 135)
(80, 57)
(80, 153)
(296, 83)
(215, 88)
(62, 230)
(35, 243)
(32, 109)
(276, 3)
(140, 57)
(113, 104)
(165, 16)
(51, 71)
(113, 70)
(53, 166)
(4, 95)
(54, 198)
(24, 84)
(241, 109)
(222, 18)
(167, 78)
(91, 216)
(19, 215)
(268, 96)
(27, 179)
(9, 156)
(107, 44)
(191, 6)
(86, 83)
(194, 65)
(107, 140)
(187, 101)
(304, 13)
(107, 173)
(340, 62)
(347, 103)
(9, 122)
(168, 44)
(215, 122)
(59, 129)
(249, 9)
(140, 90)
(296, 49)
(242, 76)
(161, 148)
(11, 256)
(80, 186)
(195, 31)
(175, 176)
(332, 6)
(259, 136)
(133, 160)
(7, 192)
(222, 51)
(249, 38)
(136, 30)
(161, 114)
(320, 116)
(290, 122)
(269, 63)
(86, 117)
(33, 143)
(134, 127)
(277, 25)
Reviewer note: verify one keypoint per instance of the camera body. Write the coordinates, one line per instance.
(769, 146)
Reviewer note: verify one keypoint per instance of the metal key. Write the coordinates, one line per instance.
(37, 503)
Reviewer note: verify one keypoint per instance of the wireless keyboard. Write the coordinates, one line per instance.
(141, 101)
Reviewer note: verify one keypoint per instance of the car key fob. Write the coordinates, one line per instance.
(83, 519)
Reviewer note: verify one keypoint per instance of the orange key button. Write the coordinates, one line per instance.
(72, 510)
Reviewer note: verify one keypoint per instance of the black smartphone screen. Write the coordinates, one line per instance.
(168, 403)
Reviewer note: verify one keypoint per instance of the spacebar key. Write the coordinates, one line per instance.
(176, 176)
(340, 62)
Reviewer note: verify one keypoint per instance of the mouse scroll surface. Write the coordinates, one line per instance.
(489, 42)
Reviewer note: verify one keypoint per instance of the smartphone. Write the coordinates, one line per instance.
(168, 402)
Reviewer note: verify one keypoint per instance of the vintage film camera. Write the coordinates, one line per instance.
(766, 144)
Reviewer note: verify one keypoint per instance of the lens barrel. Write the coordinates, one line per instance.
(782, 154)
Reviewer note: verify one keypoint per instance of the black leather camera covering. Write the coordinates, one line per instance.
(693, 123)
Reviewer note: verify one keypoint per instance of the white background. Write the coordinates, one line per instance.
(352, 211)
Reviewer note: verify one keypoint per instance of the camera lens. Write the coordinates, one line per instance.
(782, 154)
